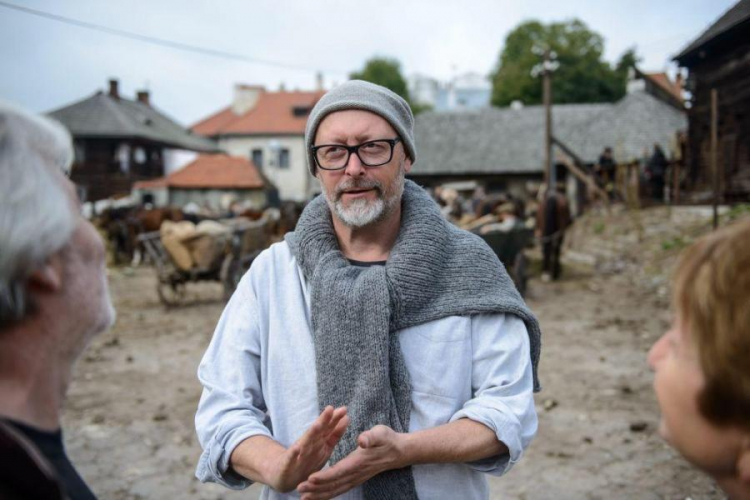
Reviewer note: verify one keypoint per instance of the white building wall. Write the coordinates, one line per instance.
(217, 199)
(175, 159)
(295, 182)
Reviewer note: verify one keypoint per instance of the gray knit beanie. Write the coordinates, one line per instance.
(358, 94)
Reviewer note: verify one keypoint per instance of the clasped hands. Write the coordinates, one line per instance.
(299, 466)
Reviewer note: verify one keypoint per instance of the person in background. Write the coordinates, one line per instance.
(53, 301)
(656, 171)
(606, 169)
(702, 364)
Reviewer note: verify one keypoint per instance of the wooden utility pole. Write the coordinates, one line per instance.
(549, 171)
(714, 151)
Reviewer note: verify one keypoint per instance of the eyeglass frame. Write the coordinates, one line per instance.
(355, 150)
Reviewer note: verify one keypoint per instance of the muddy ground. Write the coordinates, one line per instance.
(129, 419)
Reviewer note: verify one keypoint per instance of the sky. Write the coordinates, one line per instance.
(46, 64)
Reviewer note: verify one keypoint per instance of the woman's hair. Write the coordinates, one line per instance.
(712, 299)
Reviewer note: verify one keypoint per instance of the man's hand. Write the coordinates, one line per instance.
(379, 449)
(283, 469)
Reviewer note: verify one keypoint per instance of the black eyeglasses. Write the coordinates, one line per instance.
(371, 153)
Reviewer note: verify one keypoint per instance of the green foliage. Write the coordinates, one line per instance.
(599, 227)
(739, 211)
(417, 108)
(676, 243)
(385, 72)
(581, 77)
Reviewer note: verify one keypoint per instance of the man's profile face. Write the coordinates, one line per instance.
(678, 381)
(85, 277)
(359, 195)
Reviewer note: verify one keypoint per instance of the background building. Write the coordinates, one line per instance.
(269, 129)
(119, 142)
(470, 91)
(720, 59)
(212, 181)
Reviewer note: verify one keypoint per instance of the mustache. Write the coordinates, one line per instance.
(357, 184)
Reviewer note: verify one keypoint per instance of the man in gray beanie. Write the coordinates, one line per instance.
(379, 352)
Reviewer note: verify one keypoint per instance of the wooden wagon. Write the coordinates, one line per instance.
(238, 247)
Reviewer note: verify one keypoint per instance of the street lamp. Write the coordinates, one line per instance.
(545, 68)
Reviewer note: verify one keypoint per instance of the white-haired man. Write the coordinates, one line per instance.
(53, 300)
(378, 338)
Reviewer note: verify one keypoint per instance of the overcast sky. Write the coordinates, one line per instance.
(47, 64)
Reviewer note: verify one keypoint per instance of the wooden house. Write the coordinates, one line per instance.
(120, 141)
(720, 59)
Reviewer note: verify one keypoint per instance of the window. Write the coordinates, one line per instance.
(300, 111)
(283, 158)
(139, 155)
(80, 152)
(257, 157)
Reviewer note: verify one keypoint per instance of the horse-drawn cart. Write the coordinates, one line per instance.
(222, 254)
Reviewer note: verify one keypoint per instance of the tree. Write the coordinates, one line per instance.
(629, 59)
(385, 72)
(581, 77)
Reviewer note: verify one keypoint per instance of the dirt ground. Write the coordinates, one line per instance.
(129, 418)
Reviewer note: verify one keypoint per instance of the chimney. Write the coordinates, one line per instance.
(319, 81)
(679, 83)
(245, 97)
(143, 97)
(114, 90)
(282, 87)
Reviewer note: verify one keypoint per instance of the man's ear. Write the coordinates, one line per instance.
(47, 278)
(743, 463)
(407, 164)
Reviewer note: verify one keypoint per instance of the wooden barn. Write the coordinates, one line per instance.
(120, 141)
(720, 59)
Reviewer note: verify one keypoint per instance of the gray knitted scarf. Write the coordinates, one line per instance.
(435, 270)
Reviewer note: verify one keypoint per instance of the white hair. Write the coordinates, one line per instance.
(36, 218)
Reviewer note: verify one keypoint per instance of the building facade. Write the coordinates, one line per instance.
(719, 59)
(119, 142)
(268, 128)
(213, 182)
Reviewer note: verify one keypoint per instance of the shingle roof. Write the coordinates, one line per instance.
(491, 140)
(211, 172)
(731, 19)
(635, 122)
(508, 141)
(102, 115)
(273, 113)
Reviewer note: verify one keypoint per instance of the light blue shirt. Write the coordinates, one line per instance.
(259, 378)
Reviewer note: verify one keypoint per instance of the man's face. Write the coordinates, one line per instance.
(678, 381)
(84, 285)
(360, 195)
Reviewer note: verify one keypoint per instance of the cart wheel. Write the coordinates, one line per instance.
(170, 293)
(519, 273)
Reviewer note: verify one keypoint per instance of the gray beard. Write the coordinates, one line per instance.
(362, 213)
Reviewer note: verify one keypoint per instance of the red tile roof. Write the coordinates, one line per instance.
(662, 80)
(211, 172)
(273, 113)
(161, 182)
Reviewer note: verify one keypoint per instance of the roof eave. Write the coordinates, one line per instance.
(161, 142)
(691, 54)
